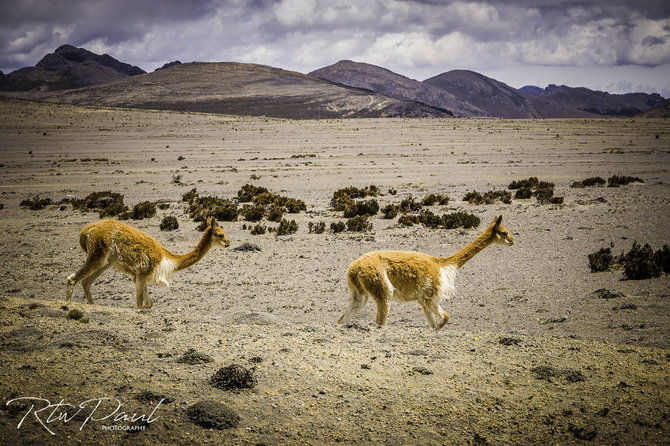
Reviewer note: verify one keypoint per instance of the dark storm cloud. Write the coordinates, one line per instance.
(419, 38)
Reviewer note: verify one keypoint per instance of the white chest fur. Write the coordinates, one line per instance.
(163, 272)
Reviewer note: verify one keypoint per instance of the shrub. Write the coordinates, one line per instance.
(359, 223)
(317, 228)
(200, 208)
(275, 213)
(523, 193)
(621, 180)
(532, 187)
(390, 211)
(409, 205)
(592, 181)
(233, 377)
(530, 183)
(431, 199)
(460, 220)
(408, 220)
(343, 197)
(662, 258)
(640, 263)
(601, 260)
(369, 207)
(252, 213)
(36, 203)
(248, 192)
(287, 227)
(145, 209)
(113, 209)
(336, 227)
(489, 197)
(169, 223)
(258, 229)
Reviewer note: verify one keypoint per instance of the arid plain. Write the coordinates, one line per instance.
(530, 355)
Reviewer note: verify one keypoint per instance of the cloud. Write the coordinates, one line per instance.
(418, 38)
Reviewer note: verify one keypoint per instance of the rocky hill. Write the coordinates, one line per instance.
(662, 110)
(381, 80)
(68, 67)
(240, 89)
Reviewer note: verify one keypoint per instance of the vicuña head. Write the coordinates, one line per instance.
(408, 276)
(131, 251)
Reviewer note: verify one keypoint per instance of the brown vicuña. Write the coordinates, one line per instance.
(131, 251)
(408, 276)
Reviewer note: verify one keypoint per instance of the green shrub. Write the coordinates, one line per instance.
(253, 213)
(532, 187)
(601, 260)
(460, 220)
(592, 181)
(36, 203)
(343, 197)
(489, 197)
(249, 192)
(258, 229)
(200, 208)
(359, 223)
(275, 213)
(431, 199)
(336, 227)
(662, 258)
(410, 205)
(622, 180)
(530, 183)
(287, 227)
(145, 209)
(318, 228)
(169, 223)
(640, 263)
(390, 211)
(369, 207)
(408, 220)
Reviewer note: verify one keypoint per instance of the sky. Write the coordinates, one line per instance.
(610, 45)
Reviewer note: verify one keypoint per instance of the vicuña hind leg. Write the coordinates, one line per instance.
(93, 264)
(356, 302)
(142, 298)
(436, 309)
(87, 282)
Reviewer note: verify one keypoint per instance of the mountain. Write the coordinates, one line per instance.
(662, 110)
(68, 67)
(381, 80)
(239, 89)
(599, 102)
(488, 94)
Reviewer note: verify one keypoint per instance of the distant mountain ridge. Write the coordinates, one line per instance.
(381, 80)
(68, 67)
(344, 89)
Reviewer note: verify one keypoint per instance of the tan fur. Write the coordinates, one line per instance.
(408, 276)
(131, 251)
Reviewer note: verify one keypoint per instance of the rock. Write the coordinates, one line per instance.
(606, 294)
(248, 247)
(211, 414)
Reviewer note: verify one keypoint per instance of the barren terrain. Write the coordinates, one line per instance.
(530, 355)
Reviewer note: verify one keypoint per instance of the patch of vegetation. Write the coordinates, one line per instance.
(317, 228)
(622, 180)
(200, 208)
(345, 196)
(592, 181)
(259, 229)
(336, 227)
(359, 223)
(460, 220)
(355, 208)
(169, 223)
(248, 192)
(410, 205)
(253, 213)
(75, 314)
(390, 211)
(641, 262)
(489, 197)
(36, 203)
(601, 260)
(234, 377)
(454, 220)
(107, 203)
(431, 199)
(275, 213)
(145, 209)
(287, 227)
(532, 187)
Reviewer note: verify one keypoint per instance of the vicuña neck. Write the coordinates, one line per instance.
(191, 258)
(464, 255)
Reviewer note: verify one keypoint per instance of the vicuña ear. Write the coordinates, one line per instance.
(213, 222)
(209, 221)
(497, 221)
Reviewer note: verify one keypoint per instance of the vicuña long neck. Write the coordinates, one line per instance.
(461, 257)
(191, 258)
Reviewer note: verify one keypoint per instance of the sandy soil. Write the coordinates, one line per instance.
(530, 354)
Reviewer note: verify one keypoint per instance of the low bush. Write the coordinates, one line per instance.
(601, 260)
(390, 211)
(369, 207)
(36, 203)
(489, 197)
(592, 181)
(641, 262)
(142, 210)
(344, 197)
(287, 227)
(431, 199)
(253, 213)
(259, 229)
(169, 223)
(359, 223)
(622, 180)
(317, 228)
(108, 203)
(336, 227)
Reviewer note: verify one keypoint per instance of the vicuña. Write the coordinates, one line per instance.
(408, 276)
(131, 251)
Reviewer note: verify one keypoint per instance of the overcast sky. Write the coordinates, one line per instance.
(614, 45)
